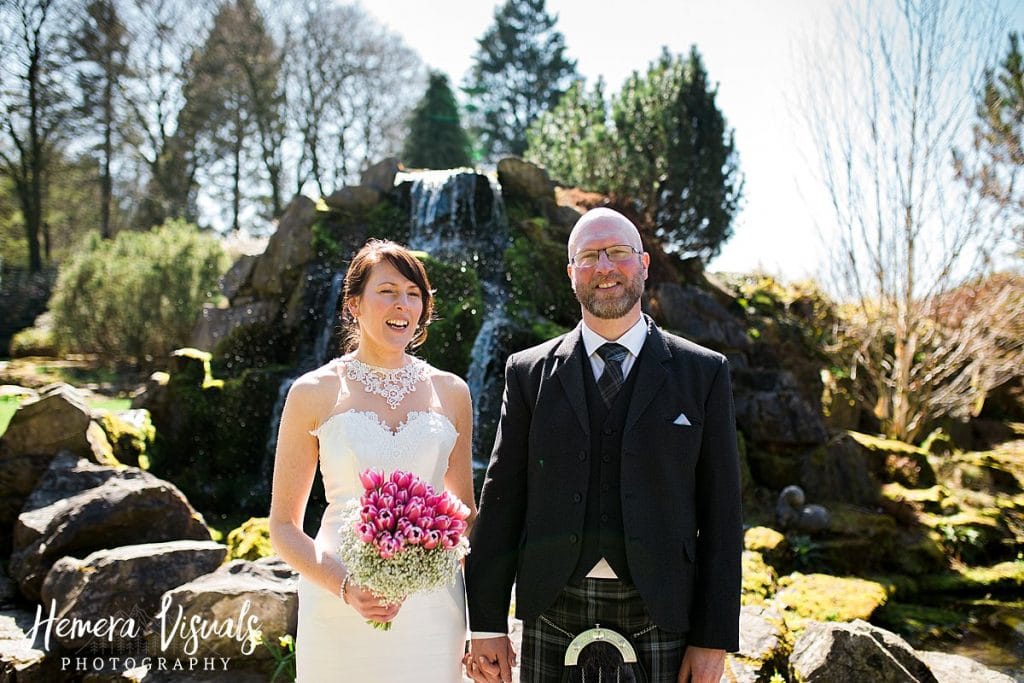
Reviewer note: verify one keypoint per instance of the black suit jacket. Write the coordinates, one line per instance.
(680, 489)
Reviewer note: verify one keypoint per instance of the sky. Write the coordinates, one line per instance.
(749, 48)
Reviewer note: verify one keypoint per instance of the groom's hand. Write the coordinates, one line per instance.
(701, 665)
(490, 660)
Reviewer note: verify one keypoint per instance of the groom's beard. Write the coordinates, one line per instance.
(608, 308)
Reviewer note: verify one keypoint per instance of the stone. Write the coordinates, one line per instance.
(260, 595)
(894, 461)
(949, 668)
(381, 175)
(56, 421)
(21, 660)
(289, 249)
(771, 410)
(214, 325)
(128, 504)
(354, 199)
(839, 472)
(124, 582)
(764, 647)
(236, 280)
(697, 316)
(843, 652)
(821, 597)
(791, 513)
(522, 181)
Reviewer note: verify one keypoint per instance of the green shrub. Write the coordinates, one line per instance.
(458, 309)
(33, 341)
(251, 540)
(137, 295)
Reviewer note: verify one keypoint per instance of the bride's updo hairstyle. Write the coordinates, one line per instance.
(372, 253)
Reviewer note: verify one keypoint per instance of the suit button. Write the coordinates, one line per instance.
(604, 518)
(605, 458)
(609, 431)
(577, 497)
(604, 487)
(583, 455)
(573, 538)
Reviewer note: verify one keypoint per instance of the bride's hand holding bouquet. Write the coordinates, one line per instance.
(400, 537)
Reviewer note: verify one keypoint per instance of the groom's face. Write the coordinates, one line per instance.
(609, 289)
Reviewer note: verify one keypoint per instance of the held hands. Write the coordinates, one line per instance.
(702, 665)
(367, 603)
(490, 660)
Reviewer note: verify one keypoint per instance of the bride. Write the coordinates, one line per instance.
(375, 406)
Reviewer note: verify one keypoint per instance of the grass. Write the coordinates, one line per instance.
(8, 404)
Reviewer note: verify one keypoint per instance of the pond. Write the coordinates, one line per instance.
(993, 634)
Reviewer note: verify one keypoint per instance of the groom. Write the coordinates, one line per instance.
(613, 492)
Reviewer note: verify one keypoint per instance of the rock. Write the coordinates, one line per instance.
(290, 248)
(127, 504)
(858, 651)
(949, 668)
(21, 660)
(23, 393)
(839, 471)
(124, 582)
(354, 200)
(763, 645)
(237, 278)
(771, 410)
(821, 597)
(214, 325)
(251, 540)
(841, 408)
(522, 181)
(260, 595)
(381, 176)
(696, 315)
(792, 514)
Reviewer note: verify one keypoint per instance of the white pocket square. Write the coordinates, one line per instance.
(681, 420)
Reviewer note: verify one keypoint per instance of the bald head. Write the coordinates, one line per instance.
(607, 221)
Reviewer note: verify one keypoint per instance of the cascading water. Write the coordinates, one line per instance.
(458, 217)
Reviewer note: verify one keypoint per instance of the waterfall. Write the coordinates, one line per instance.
(458, 216)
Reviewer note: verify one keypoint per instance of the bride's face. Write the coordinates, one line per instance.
(388, 309)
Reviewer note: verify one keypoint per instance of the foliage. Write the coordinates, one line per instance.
(458, 312)
(257, 345)
(137, 295)
(436, 138)
(663, 144)
(997, 137)
(129, 441)
(907, 236)
(8, 406)
(283, 653)
(520, 70)
(251, 540)
(23, 296)
(538, 280)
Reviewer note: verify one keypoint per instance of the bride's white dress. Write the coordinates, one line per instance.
(427, 639)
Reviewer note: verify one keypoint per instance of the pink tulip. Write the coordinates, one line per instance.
(431, 501)
(459, 509)
(425, 522)
(402, 496)
(368, 513)
(454, 536)
(442, 522)
(431, 539)
(458, 526)
(371, 478)
(418, 488)
(402, 479)
(444, 505)
(413, 511)
(385, 520)
(366, 532)
(447, 543)
(413, 535)
(386, 502)
(372, 498)
(389, 487)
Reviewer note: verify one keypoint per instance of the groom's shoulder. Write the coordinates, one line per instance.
(684, 349)
(541, 352)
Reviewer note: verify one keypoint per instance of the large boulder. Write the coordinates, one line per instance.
(57, 421)
(126, 504)
(804, 598)
(124, 582)
(949, 668)
(527, 183)
(696, 315)
(771, 410)
(839, 471)
(257, 596)
(832, 652)
(214, 325)
(21, 660)
(764, 646)
(381, 175)
(289, 249)
(353, 199)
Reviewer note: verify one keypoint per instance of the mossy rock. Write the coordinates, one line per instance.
(537, 274)
(859, 541)
(918, 622)
(129, 442)
(1005, 577)
(33, 341)
(772, 470)
(822, 597)
(974, 537)
(921, 552)
(191, 367)
(895, 461)
(251, 540)
(931, 499)
(771, 544)
(458, 314)
(759, 579)
(999, 470)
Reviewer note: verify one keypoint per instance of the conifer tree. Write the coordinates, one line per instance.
(436, 137)
(520, 70)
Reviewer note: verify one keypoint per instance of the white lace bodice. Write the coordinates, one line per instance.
(355, 440)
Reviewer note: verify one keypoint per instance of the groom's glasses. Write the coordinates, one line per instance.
(618, 253)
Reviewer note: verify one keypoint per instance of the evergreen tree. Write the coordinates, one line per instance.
(436, 137)
(664, 146)
(520, 70)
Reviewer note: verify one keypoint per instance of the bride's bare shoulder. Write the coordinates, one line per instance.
(448, 384)
(317, 383)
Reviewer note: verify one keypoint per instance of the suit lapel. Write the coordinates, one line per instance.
(651, 374)
(569, 371)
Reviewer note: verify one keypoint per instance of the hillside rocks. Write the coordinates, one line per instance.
(857, 651)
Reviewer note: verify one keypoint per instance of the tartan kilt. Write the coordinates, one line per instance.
(612, 604)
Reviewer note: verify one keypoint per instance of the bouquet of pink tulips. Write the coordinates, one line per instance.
(401, 537)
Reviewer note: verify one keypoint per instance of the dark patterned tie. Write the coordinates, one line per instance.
(611, 379)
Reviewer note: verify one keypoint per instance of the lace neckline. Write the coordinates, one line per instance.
(392, 384)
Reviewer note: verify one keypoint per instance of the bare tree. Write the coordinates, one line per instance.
(352, 84)
(34, 109)
(886, 103)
